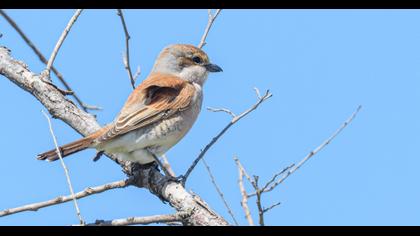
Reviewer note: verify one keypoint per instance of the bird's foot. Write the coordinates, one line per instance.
(178, 179)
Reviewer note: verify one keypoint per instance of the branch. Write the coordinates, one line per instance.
(42, 58)
(84, 123)
(126, 57)
(213, 180)
(275, 176)
(61, 40)
(232, 122)
(62, 199)
(66, 171)
(258, 201)
(244, 200)
(222, 110)
(209, 24)
(177, 217)
(271, 207)
(167, 166)
(57, 105)
(311, 154)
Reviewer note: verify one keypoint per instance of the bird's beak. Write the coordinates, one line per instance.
(213, 68)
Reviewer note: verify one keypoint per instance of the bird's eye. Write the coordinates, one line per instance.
(197, 60)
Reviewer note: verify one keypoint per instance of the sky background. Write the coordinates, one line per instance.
(319, 65)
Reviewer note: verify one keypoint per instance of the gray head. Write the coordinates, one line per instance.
(186, 61)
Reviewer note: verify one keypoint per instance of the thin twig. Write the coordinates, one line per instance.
(275, 176)
(42, 58)
(61, 199)
(213, 180)
(61, 40)
(244, 200)
(66, 171)
(239, 164)
(167, 165)
(258, 201)
(137, 74)
(177, 217)
(161, 165)
(312, 153)
(209, 24)
(257, 91)
(221, 110)
(214, 140)
(126, 57)
(91, 107)
(271, 207)
(254, 183)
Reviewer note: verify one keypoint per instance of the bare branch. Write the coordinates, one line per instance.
(275, 176)
(62, 199)
(244, 200)
(145, 220)
(213, 180)
(312, 153)
(209, 24)
(258, 201)
(66, 171)
(271, 207)
(214, 140)
(42, 58)
(161, 165)
(90, 107)
(61, 40)
(137, 74)
(126, 57)
(257, 91)
(167, 166)
(239, 164)
(221, 109)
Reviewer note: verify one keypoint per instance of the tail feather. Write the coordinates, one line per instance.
(66, 150)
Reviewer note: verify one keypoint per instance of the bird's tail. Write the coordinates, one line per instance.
(67, 149)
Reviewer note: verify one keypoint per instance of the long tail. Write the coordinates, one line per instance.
(67, 149)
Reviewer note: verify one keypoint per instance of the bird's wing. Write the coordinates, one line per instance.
(158, 97)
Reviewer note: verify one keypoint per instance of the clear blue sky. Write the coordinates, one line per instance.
(319, 64)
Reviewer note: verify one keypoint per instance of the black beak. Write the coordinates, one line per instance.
(213, 68)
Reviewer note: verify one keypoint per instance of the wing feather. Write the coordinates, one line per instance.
(158, 97)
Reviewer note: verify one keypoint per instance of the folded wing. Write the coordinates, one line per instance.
(158, 97)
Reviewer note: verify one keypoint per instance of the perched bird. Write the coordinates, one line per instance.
(157, 114)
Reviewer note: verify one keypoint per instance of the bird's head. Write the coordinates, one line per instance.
(186, 61)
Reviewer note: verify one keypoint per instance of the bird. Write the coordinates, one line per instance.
(157, 114)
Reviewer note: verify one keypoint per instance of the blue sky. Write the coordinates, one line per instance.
(319, 64)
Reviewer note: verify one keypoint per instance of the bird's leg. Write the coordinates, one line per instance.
(179, 179)
(98, 155)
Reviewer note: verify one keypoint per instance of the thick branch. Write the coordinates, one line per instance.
(57, 104)
(44, 60)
